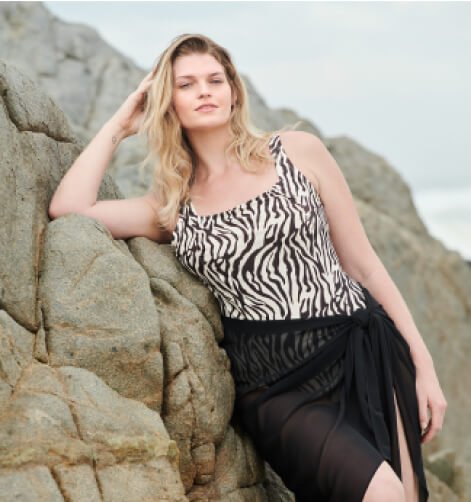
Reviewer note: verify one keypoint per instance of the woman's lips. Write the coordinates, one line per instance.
(206, 108)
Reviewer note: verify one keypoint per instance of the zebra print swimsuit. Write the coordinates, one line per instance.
(296, 325)
(270, 257)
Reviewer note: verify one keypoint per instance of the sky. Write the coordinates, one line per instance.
(393, 76)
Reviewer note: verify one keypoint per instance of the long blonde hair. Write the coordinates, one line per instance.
(168, 147)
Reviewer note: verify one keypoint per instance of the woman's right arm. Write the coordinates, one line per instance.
(77, 192)
(79, 187)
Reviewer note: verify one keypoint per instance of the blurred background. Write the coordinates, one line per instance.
(394, 76)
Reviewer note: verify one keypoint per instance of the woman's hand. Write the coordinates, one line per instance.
(429, 395)
(131, 113)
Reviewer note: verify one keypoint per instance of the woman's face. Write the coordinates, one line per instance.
(198, 79)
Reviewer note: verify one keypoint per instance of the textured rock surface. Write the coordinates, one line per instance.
(98, 309)
(84, 439)
(112, 382)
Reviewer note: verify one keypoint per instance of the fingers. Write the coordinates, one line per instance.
(150, 74)
(144, 85)
(436, 423)
(423, 409)
(142, 90)
(147, 79)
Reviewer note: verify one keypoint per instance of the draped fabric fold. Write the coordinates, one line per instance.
(377, 360)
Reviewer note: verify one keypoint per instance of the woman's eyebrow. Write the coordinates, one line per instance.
(209, 74)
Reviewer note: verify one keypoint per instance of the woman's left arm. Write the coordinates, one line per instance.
(361, 262)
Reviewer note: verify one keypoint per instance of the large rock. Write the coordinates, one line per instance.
(66, 435)
(112, 381)
(122, 318)
(98, 309)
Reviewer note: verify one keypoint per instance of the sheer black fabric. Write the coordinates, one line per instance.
(326, 443)
(348, 464)
(264, 359)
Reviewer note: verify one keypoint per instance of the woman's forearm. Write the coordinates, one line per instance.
(79, 187)
(385, 291)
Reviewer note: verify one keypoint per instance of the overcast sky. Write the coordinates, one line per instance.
(394, 76)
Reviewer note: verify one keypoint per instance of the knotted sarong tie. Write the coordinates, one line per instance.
(368, 340)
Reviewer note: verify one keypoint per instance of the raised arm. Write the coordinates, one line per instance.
(78, 190)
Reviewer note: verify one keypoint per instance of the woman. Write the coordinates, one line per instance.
(332, 375)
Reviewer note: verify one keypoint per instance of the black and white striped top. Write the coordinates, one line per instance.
(270, 257)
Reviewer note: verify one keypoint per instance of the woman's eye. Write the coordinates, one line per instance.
(212, 81)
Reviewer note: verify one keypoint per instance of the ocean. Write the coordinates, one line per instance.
(447, 214)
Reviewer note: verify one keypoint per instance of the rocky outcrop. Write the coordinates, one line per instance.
(112, 382)
(66, 435)
(113, 385)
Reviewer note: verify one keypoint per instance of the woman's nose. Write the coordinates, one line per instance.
(204, 90)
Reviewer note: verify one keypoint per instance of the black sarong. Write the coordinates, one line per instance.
(362, 357)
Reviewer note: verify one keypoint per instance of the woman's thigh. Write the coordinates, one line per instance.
(348, 463)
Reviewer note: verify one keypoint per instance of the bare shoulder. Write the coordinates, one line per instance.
(302, 147)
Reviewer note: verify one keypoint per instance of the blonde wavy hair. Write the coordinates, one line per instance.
(168, 147)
